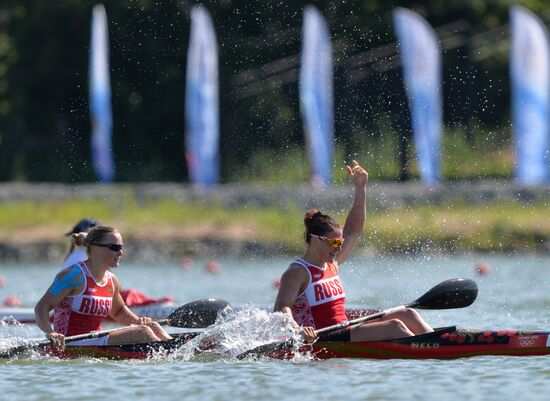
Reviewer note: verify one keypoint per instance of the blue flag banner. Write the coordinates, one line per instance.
(202, 101)
(100, 97)
(420, 56)
(530, 78)
(316, 95)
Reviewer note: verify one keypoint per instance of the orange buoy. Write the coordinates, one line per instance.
(482, 269)
(212, 267)
(186, 263)
(11, 301)
(2, 282)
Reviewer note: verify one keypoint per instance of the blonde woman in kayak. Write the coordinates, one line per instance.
(85, 293)
(311, 290)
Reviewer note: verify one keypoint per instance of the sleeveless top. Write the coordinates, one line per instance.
(83, 313)
(78, 255)
(321, 304)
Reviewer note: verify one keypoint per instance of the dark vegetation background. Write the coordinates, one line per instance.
(44, 124)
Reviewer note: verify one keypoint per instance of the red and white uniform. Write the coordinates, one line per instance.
(322, 302)
(83, 313)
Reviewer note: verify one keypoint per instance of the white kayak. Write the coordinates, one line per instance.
(26, 315)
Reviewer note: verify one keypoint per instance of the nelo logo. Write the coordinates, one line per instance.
(424, 345)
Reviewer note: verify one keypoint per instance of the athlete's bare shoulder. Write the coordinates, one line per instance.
(67, 281)
(296, 271)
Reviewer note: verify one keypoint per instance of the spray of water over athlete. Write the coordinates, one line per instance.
(238, 331)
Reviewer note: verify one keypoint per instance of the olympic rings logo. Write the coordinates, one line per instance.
(527, 342)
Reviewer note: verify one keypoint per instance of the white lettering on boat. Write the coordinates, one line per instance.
(424, 345)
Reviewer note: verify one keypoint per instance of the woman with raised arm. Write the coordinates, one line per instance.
(311, 290)
(85, 293)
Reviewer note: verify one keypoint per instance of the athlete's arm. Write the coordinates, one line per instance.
(293, 281)
(355, 221)
(68, 282)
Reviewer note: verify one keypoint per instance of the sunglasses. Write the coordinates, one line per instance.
(333, 242)
(112, 247)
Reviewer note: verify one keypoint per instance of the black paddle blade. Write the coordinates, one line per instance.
(22, 349)
(266, 348)
(198, 314)
(450, 294)
(14, 351)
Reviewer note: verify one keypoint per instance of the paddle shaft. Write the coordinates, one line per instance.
(454, 293)
(95, 334)
(163, 322)
(103, 333)
(98, 334)
(359, 320)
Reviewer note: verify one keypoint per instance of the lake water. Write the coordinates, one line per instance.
(515, 295)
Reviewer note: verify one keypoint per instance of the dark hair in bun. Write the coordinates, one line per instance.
(318, 223)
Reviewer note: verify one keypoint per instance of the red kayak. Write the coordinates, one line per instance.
(443, 343)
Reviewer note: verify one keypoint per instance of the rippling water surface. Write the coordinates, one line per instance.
(515, 296)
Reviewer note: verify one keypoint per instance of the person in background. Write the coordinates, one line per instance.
(311, 291)
(85, 293)
(78, 253)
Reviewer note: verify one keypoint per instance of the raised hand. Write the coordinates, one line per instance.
(357, 174)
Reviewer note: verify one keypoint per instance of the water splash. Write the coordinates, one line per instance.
(238, 332)
(14, 337)
(12, 333)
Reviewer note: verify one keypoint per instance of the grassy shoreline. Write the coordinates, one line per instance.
(209, 224)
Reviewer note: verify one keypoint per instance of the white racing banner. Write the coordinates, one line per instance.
(530, 78)
(202, 101)
(420, 56)
(316, 95)
(100, 97)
